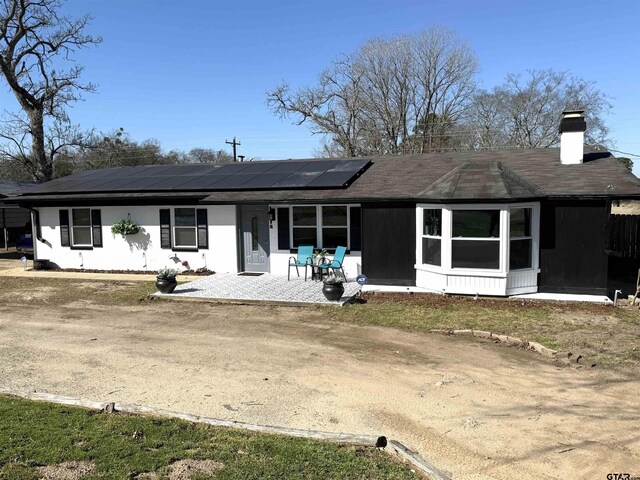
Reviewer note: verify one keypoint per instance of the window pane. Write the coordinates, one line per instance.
(334, 237)
(520, 223)
(334, 216)
(81, 217)
(82, 235)
(475, 254)
(185, 237)
(304, 216)
(520, 254)
(431, 252)
(432, 222)
(254, 234)
(304, 236)
(476, 223)
(185, 217)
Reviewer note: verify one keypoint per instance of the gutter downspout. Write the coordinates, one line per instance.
(36, 232)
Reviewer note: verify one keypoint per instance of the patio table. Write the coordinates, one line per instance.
(316, 272)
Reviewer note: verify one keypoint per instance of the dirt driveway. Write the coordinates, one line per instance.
(474, 409)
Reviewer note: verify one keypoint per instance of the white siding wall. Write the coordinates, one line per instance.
(120, 253)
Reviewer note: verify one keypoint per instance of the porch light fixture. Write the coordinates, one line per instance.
(272, 216)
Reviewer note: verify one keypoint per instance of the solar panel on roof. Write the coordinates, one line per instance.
(246, 176)
(234, 181)
(330, 179)
(288, 167)
(264, 180)
(295, 180)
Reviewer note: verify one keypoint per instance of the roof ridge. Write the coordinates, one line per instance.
(507, 174)
(445, 177)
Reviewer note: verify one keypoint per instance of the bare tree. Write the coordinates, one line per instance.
(35, 43)
(16, 144)
(371, 101)
(525, 112)
(207, 155)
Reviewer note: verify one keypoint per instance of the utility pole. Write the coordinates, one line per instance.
(234, 143)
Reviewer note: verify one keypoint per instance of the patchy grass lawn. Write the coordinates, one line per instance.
(60, 291)
(610, 335)
(39, 437)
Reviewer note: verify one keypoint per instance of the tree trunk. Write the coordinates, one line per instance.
(43, 166)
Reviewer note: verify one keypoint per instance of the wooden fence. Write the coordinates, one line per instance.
(624, 236)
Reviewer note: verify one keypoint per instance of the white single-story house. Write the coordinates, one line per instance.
(489, 223)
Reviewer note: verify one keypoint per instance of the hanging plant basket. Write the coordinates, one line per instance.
(125, 227)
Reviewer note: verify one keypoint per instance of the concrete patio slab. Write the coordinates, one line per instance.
(266, 288)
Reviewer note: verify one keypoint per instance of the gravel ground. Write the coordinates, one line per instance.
(475, 409)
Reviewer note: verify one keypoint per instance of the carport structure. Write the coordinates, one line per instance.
(13, 219)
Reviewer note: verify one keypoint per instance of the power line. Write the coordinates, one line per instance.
(624, 153)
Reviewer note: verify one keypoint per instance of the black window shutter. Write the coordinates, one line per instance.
(64, 228)
(203, 230)
(356, 229)
(96, 227)
(165, 228)
(283, 229)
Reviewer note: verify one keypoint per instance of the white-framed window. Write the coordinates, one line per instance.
(185, 232)
(81, 227)
(335, 226)
(475, 239)
(480, 239)
(432, 236)
(325, 226)
(304, 225)
(520, 238)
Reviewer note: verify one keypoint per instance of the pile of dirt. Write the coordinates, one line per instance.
(185, 470)
(66, 471)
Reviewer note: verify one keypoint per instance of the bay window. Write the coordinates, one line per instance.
(465, 238)
(478, 249)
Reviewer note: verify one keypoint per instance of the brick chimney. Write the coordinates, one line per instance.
(572, 128)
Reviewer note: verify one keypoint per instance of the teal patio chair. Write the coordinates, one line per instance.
(304, 259)
(335, 263)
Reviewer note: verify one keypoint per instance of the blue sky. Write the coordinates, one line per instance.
(194, 73)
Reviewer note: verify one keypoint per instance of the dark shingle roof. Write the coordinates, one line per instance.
(452, 176)
(10, 189)
(480, 179)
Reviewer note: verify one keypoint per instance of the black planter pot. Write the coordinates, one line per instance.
(333, 291)
(166, 285)
(41, 264)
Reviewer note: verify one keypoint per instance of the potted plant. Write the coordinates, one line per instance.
(319, 256)
(125, 227)
(166, 280)
(333, 287)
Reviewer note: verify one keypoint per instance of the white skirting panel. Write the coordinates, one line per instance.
(513, 283)
(522, 281)
(472, 285)
(431, 280)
